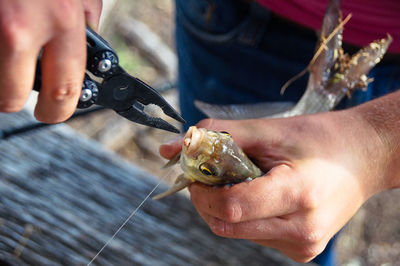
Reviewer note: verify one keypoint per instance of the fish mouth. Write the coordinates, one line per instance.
(192, 140)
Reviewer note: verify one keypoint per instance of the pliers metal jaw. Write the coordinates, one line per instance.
(118, 90)
(128, 96)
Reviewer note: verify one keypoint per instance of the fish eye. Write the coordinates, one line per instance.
(225, 133)
(207, 169)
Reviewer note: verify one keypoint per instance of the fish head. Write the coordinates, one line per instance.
(213, 158)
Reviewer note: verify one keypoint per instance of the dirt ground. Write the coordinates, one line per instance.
(372, 237)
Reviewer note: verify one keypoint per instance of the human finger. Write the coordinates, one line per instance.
(63, 67)
(260, 139)
(284, 234)
(238, 129)
(169, 150)
(263, 197)
(299, 252)
(269, 228)
(17, 68)
(19, 48)
(93, 10)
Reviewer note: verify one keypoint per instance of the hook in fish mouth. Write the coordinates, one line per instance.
(193, 138)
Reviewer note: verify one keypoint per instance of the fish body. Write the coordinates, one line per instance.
(333, 75)
(211, 158)
(214, 158)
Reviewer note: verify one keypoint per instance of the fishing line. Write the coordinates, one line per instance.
(127, 219)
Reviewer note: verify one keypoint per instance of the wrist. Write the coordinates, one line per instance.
(383, 117)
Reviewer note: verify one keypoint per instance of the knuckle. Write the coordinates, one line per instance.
(66, 91)
(232, 211)
(68, 14)
(13, 35)
(309, 200)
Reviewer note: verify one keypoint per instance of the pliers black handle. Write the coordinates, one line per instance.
(118, 90)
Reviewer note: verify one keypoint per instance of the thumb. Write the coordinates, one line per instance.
(93, 10)
(233, 127)
(242, 131)
(250, 135)
(258, 138)
(170, 149)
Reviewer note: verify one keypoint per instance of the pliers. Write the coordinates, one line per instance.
(117, 90)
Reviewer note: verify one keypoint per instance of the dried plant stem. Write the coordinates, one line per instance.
(317, 53)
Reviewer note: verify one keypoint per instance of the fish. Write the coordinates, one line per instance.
(214, 158)
(333, 74)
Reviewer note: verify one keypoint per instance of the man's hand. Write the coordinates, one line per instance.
(319, 170)
(57, 27)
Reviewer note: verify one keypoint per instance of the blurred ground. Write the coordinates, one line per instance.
(372, 237)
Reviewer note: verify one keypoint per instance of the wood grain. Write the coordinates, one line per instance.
(62, 196)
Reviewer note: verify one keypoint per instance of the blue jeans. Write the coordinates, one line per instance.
(233, 52)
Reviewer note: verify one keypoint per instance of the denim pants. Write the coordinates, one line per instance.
(231, 51)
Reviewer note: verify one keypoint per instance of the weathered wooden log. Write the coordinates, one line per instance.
(62, 196)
